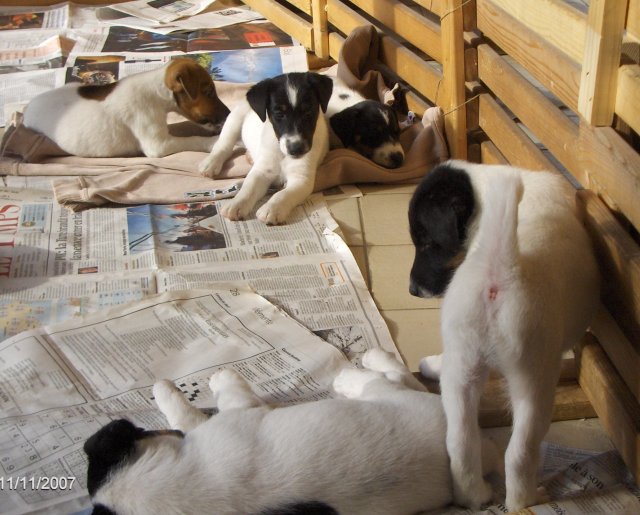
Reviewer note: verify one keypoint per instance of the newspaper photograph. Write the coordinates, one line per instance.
(17, 18)
(62, 383)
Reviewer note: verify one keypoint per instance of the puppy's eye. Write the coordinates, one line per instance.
(278, 115)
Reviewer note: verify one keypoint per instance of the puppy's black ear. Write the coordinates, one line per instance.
(343, 124)
(107, 448)
(324, 87)
(258, 97)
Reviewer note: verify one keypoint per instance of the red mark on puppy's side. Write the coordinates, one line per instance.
(493, 293)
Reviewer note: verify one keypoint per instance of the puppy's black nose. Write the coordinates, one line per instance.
(413, 289)
(396, 159)
(296, 148)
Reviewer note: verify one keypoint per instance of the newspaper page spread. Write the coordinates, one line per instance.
(60, 384)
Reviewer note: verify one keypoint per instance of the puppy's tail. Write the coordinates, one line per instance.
(497, 234)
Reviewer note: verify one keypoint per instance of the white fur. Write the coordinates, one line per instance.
(525, 292)
(130, 120)
(379, 451)
(271, 165)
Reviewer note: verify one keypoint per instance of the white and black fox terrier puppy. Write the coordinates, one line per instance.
(368, 127)
(520, 286)
(283, 127)
(380, 450)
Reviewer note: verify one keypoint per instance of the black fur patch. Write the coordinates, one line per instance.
(109, 448)
(96, 91)
(439, 215)
(302, 508)
(100, 509)
(270, 98)
(344, 96)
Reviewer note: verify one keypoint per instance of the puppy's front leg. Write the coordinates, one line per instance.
(254, 187)
(155, 140)
(299, 185)
(461, 384)
(172, 403)
(232, 391)
(223, 147)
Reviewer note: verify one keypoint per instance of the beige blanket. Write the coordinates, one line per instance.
(174, 179)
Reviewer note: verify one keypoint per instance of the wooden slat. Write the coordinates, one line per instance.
(605, 25)
(344, 18)
(514, 144)
(597, 157)
(628, 96)
(320, 29)
(633, 18)
(303, 5)
(615, 405)
(619, 261)
(455, 121)
(624, 355)
(435, 6)
(283, 18)
(401, 19)
(555, 70)
(555, 21)
(491, 155)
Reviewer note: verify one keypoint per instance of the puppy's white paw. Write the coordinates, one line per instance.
(381, 361)
(211, 166)
(236, 210)
(272, 214)
(164, 390)
(351, 382)
(474, 498)
(224, 378)
(431, 367)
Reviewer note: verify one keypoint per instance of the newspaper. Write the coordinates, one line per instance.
(62, 383)
(210, 20)
(576, 481)
(162, 11)
(23, 18)
(56, 264)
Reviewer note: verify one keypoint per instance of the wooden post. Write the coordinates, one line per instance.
(603, 44)
(453, 90)
(320, 28)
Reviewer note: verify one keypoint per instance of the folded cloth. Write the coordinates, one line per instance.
(175, 178)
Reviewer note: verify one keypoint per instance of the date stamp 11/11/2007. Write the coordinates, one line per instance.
(37, 483)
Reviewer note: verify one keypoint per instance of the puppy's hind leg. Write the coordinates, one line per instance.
(532, 395)
(172, 403)
(232, 391)
(461, 383)
(385, 362)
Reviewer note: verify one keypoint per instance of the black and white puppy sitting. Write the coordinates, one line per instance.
(283, 127)
(368, 127)
(380, 450)
(520, 286)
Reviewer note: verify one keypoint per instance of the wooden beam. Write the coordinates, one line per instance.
(633, 18)
(453, 80)
(624, 355)
(512, 142)
(554, 69)
(619, 262)
(555, 21)
(615, 405)
(421, 32)
(435, 6)
(320, 28)
(597, 157)
(603, 44)
(628, 96)
(303, 5)
(491, 155)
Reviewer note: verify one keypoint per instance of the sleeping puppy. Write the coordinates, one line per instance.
(368, 127)
(379, 451)
(284, 130)
(129, 117)
(520, 286)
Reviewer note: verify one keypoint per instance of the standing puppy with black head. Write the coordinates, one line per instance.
(284, 130)
(520, 286)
